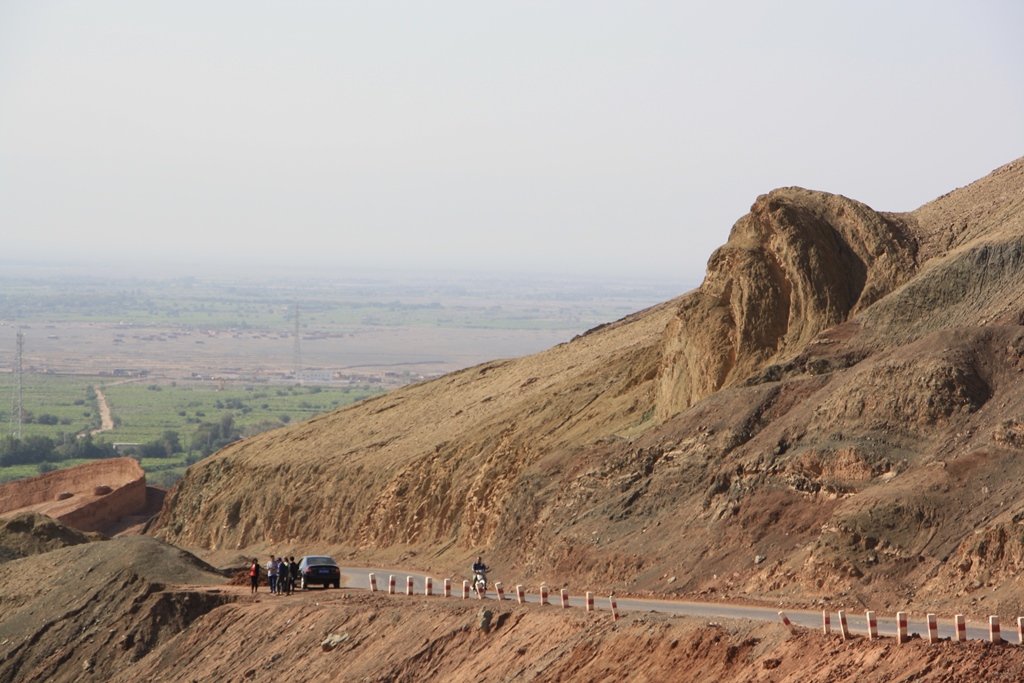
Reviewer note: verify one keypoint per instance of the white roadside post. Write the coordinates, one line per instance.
(993, 630)
(843, 626)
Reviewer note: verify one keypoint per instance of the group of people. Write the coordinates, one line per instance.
(282, 575)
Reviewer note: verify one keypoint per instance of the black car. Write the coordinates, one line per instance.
(319, 569)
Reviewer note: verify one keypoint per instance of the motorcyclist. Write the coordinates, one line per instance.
(480, 571)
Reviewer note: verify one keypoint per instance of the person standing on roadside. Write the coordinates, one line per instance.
(284, 578)
(272, 567)
(254, 576)
(293, 571)
(282, 575)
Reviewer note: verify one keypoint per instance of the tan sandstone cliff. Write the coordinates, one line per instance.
(799, 263)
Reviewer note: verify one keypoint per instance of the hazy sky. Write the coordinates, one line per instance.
(589, 137)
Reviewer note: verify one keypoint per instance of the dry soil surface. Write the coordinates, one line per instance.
(137, 609)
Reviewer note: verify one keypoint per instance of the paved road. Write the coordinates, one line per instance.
(358, 577)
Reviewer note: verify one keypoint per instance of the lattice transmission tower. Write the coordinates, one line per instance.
(297, 346)
(17, 409)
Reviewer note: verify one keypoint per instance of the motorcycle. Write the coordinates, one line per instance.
(480, 582)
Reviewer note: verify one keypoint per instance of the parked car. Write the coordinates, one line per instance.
(319, 569)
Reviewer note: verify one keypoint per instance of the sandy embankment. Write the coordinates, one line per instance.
(101, 493)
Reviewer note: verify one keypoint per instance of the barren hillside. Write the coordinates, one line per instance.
(381, 638)
(80, 611)
(835, 414)
(126, 620)
(117, 611)
(28, 533)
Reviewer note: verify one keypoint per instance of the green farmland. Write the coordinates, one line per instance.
(144, 411)
(197, 416)
(55, 406)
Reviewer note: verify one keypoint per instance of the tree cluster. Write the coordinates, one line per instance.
(34, 450)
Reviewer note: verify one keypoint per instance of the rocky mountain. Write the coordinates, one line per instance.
(835, 414)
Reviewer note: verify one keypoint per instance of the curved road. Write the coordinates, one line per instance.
(358, 577)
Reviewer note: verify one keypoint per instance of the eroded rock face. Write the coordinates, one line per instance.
(799, 263)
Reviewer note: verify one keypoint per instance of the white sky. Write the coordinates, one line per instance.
(588, 137)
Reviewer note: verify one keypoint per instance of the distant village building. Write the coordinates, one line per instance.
(314, 376)
(130, 372)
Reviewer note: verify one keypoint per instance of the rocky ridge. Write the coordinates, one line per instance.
(835, 416)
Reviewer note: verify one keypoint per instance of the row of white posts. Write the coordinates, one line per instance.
(901, 627)
(826, 617)
(428, 589)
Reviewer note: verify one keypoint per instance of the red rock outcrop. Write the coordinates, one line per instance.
(103, 492)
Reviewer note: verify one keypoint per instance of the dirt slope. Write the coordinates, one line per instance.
(86, 611)
(835, 415)
(28, 533)
(454, 445)
(103, 612)
(426, 639)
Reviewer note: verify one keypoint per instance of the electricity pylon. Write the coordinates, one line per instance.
(16, 404)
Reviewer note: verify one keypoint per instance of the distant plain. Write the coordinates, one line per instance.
(172, 352)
